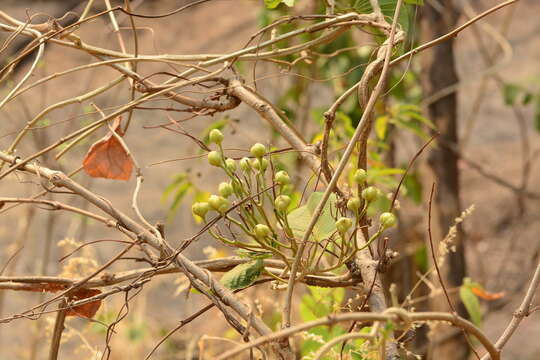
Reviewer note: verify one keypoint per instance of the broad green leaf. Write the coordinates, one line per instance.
(414, 187)
(381, 124)
(326, 225)
(243, 275)
(527, 98)
(347, 122)
(510, 93)
(272, 4)
(289, 3)
(471, 303)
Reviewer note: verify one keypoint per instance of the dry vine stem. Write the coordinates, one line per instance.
(224, 93)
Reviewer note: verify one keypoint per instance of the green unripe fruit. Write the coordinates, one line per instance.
(282, 178)
(200, 209)
(225, 189)
(245, 165)
(256, 164)
(370, 194)
(353, 204)
(215, 136)
(343, 224)
(360, 176)
(230, 164)
(261, 231)
(218, 203)
(258, 150)
(214, 158)
(282, 202)
(388, 220)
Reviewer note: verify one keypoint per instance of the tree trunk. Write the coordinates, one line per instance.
(438, 72)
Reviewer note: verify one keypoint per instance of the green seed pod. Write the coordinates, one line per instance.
(214, 158)
(218, 203)
(360, 176)
(256, 164)
(261, 231)
(200, 209)
(353, 204)
(258, 150)
(343, 224)
(225, 189)
(231, 165)
(370, 194)
(282, 202)
(282, 178)
(388, 220)
(245, 165)
(215, 136)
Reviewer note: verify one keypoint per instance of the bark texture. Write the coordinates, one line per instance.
(438, 72)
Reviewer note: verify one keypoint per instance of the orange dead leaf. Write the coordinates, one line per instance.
(107, 158)
(483, 294)
(86, 310)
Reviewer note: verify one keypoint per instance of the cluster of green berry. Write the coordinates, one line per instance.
(261, 210)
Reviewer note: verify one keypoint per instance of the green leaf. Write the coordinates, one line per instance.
(272, 4)
(381, 124)
(136, 332)
(471, 303)
(289, 3)
(326, 225)
(510, 93)
(178, 196)
(243, 275)
(527, 98)
(177, 180)
(415, 2)
(414, 187)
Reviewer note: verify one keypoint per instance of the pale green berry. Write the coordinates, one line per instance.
(261, 231)
(343, 224)
(215, 136)
(218, 203)
(387, 220)
(258, 150)
(370, 194)
(360, 176)
(256, 164)
(225, 189)
(200, 208)
(231, 165)
(282, 178)
(214, 158)
(245, 165)
(282, 202)
(353, 204)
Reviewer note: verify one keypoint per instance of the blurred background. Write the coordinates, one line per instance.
(499, 124)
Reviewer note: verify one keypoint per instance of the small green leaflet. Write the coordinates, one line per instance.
(471, 302)
(272, 4)
(326, 225)
(243, 275)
